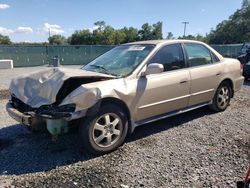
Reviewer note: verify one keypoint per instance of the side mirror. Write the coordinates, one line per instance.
(154, 68)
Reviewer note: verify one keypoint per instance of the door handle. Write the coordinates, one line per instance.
(183, 82)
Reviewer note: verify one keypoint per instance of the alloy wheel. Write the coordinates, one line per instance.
(223, 97)
(107, 130)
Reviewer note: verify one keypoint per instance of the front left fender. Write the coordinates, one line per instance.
(83, 98)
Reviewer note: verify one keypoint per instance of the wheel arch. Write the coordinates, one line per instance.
(123, 105)
(230, 82)
(118, 102)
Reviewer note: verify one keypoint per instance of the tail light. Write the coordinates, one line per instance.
(241, 68)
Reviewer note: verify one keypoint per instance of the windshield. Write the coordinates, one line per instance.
(120, 61)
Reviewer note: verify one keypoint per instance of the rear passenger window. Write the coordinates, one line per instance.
(170, 56)
(198, 55)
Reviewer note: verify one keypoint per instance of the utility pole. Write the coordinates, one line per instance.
(49, 33)
(185, 26)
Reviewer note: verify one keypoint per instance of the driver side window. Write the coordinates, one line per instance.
(170, 56)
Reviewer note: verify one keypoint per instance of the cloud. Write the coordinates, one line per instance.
(54, 29)
(4, 6)
(24, 30)
(5, 31)
(21, 30)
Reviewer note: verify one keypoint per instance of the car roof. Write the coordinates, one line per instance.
(156, 42)
(165, 42)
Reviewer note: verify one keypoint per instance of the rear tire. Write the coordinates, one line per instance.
(222, 97)
(105, 131)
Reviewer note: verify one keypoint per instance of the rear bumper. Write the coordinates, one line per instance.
(238, 83)
(246, 71)
(19, 116)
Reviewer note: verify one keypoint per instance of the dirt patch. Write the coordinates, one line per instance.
(4, 94)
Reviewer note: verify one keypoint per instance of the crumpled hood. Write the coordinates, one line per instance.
(41, 87)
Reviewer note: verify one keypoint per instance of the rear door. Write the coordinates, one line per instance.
(205, 70)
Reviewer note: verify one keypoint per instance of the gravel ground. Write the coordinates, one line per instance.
(195, 149)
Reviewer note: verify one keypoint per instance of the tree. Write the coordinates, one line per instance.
(200, 38)
(57, 39)
(157, 31)
(4, 39)
(84, 37)
(170, 35)
(188, 37)
(234, 30)
(150, 32)
(109, 36)
(120, 36)
(245, 3)
(101, 25)
(131, 34)
(104, 34)
(145, 33)
(194, 37)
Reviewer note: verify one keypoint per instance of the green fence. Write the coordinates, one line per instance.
(24, 56)
(230, 50)
(28, 55)
(76, 55)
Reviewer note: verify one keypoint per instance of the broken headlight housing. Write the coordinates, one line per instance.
(54, 112)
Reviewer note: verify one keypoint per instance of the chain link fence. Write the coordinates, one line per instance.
(30, 55)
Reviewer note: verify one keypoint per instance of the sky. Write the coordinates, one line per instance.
(31, 20)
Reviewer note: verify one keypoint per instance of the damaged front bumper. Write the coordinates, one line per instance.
(56, 112)
(55, 119)
(20, 117)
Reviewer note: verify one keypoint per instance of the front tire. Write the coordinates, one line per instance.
(222, 97)
(105, 131)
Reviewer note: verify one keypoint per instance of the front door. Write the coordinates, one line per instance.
(167, 91)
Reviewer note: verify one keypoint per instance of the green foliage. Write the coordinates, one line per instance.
(148, 32)
(57, 39)
(131, 34)
(81, 37)
(245, 3)
(157, 31)
(170, 36)
(4, 39)
(106, 35)
(192, 37)
(234, 30)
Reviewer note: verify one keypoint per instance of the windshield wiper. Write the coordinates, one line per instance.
(105, 71)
